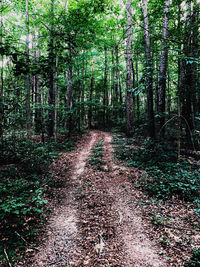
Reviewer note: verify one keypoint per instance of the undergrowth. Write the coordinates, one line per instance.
(165, 175)
(24, 178)
(95, 159)
(194, 260)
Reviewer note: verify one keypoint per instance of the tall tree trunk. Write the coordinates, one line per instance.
(179, 82)
(1, 99)
(129, 99)
(163, 69)
(191, 48)
(91, 97)
(38, 113)
(51, 98)
(105, 93)
(27, 80)
(83, 93)
(112, 80)
(137, 83)
(1, 80)
(168, 97)
(149, 71)
(79, 99)
(116, 75)
(56, 98)
(69, 90)
(120, 90)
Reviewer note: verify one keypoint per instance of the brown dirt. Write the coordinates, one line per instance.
(97, 221)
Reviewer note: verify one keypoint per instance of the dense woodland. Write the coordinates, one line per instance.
(69, 66)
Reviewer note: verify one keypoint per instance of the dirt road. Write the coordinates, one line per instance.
(97, 221)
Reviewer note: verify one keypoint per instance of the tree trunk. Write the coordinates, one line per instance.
(129, 99)
(179, 82)
(191, 48)
(137, 84)
(149, 71)
(69, 91)
(51, 98)
(27, 80)
(91, 97)
(105, 93)
(163, 69)
(56, 99)
(1, 82)
(38, 113)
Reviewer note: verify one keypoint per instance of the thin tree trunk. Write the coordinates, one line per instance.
(137, 81)
(79, 100)
(129, 99)
(51, 99)
(83, 94)
(105, 94)
(179, 82)
(112, 79)
(69, 91)
(163, 69)
(116, 76)
(27, 80)
(56, 100)
(91, 97)
(168, 97)
(120, 89)
(38, 113)
(149, 71)
(1, 82)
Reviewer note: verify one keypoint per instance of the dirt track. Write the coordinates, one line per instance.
(97, 222)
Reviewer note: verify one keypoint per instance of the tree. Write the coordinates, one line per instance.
(163, 68)
(27, 81)
(129, 99)
(149, 71)
(52, 94)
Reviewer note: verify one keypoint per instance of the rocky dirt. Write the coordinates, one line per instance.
(96, 220)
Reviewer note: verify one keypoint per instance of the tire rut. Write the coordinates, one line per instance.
(98, 224)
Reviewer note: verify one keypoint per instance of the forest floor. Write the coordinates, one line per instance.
(96, 219)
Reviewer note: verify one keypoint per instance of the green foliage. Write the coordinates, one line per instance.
(175, 181)
(195, 259)
(165, 175)
(24, 178)
(96, 158)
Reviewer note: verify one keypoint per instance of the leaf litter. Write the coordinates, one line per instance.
(100, 218)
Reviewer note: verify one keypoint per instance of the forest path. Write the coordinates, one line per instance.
(98, 222)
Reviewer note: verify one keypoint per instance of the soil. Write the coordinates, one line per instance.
(96, 220)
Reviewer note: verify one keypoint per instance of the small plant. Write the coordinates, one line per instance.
(166, 176)
(96, 158)
(195, 259)
(23, 179)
